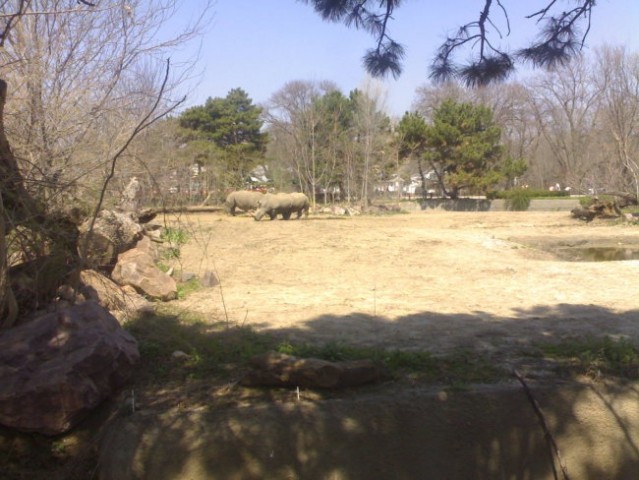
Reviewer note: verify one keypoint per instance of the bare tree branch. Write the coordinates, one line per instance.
(144, 123)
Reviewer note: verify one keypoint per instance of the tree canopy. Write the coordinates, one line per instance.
(562, 30)
(461, 146)
(234, 125)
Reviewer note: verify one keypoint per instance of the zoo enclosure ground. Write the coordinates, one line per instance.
(436, 281)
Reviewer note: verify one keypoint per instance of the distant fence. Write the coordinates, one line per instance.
(483, 205)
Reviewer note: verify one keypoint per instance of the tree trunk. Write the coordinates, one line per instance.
(8, 306)
(15, 207)
(19, 206)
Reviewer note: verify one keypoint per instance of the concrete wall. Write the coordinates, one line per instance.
(483, 205)
(483, 433)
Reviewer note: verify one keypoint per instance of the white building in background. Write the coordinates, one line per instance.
(409, 188)
(258, 175)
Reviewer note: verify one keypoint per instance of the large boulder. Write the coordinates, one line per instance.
(57, 368)
(124, 303)
(113, 233)
(136, 267)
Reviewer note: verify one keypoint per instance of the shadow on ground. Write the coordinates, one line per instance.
(192, 421)
(423, 431)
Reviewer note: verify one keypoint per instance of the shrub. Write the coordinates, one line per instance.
(531, 193)
(175, 238)
(518, 200)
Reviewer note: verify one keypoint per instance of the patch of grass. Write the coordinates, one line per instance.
(596, 357)
(530, 193)
(184, 289)
(633, 209)
(211, 347)
(461, 368)
(216, 350)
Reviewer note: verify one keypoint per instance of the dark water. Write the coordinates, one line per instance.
(599, 254)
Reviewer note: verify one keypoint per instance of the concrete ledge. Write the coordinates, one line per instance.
(486, 433)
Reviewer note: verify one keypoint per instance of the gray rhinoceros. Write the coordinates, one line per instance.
(284, 204)
(244, 200)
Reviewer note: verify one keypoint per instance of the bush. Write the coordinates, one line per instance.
(175, 238)
(518, 200)
(531, 193)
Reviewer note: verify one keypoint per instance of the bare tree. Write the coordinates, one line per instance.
(294, 121)
(372, 129)
(80, 81)
(618, 79)
(565, 102)
(87, 78)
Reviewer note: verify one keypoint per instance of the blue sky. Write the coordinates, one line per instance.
(260, 45)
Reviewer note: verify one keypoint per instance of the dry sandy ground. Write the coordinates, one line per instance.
(483, 281)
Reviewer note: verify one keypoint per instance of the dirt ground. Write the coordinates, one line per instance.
(482, 281)
(489, 282)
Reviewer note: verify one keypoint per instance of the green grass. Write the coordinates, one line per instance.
(218, 349)
(596, 356)
(174, 238)
(531, 193)
(184, 289)
(457, 368)
(211, 346)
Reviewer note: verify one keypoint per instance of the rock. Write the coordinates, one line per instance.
(127, 302)
(187, 276)
(276, 369)
(57, 368)
(154, 235)
(337, 210)
(209, 279)
(113, 233)
(137, 268)
(180, 355)
(130, 200)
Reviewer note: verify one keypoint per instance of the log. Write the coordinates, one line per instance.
(597, 209)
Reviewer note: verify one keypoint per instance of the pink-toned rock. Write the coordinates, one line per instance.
(124, 300)
(136, 268)
(146, 244)
(57, 368)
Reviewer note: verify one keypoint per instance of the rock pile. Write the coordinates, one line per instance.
(65, 358)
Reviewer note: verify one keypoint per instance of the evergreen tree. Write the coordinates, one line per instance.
(412, 130)
(463, 148)
(234, 125)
